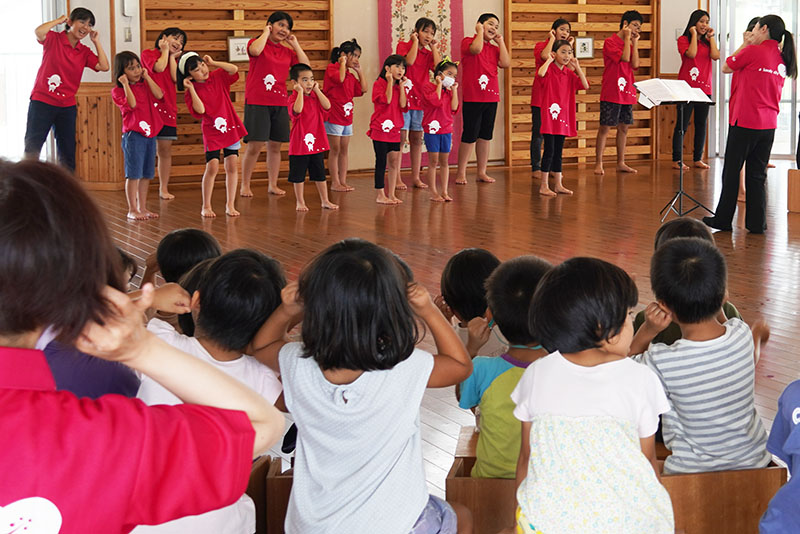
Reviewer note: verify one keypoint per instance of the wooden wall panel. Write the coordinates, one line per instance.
(98, 153)
(527, 23)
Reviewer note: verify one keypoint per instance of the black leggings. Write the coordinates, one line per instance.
(700, 125)
(553, 147)
(536, 138)
(382, 148)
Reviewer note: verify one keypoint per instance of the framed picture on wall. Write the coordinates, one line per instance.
(237, 49)
(584, 47)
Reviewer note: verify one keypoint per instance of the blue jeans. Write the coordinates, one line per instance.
(41, 118)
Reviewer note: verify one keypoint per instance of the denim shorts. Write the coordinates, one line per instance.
(338, 129)
(140, 155)
(438, 142)
(437, 517)
(412, 120)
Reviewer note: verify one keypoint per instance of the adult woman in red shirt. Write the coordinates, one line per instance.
(762, 64)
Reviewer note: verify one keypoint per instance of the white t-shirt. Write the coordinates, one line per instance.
(358, 464)
(240, 517)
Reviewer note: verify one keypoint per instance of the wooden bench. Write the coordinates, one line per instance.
(269, 487)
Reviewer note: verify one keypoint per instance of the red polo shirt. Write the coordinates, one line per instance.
(109, 464)
(221, 125)
(617, 85)
(695, 71)
(387, 119)
(418, 72)
(760, 75)
(341, 95)
(168, 107)
(437, 115)
(308, 127)
(479, 79)
(558, 88)
(266, 80)
(145, 117)
(62, 66)
(537, 80)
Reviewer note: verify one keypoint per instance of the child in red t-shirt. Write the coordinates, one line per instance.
(341, 87)
(137, 96)
(265, 115)
(308, 108)
(162, 64)
(618, 94)
(420, 62)
(208, 98)
(384, 126)
(558, 85)
(439, 104)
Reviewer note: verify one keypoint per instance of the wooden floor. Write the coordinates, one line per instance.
(612, 217)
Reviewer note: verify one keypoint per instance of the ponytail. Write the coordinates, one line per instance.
(347, 47)
(778, 32)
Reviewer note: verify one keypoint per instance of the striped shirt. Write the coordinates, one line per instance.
(712, 424)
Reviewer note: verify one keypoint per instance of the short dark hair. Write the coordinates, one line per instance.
(56, 254)
(182, 249)
(689, 275)
(172, 32)
(190, 282)
(356, 313)
(486, 16)
(560, 22)
(424, 23)
(509, 290)
(82, 14)
(442, 65)
(347, 47)
(297, 68)
(128, 264)
(121, 62)
(463, 282)
(393, 59)
(238, 292)
(682, 227)
(281, 15)
(630, 16)
(580, 304)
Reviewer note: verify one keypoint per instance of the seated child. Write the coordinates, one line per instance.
(463, 297)
(236, 293)
(782, 515)
(587, 460)
(709, 374)
(509, 290)
(680, 227)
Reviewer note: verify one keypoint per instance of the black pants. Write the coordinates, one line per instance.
(553, 147)
(798, 149)
(700, 126)
(753, 147)
(382, 148)
(536, 138)
(41, 118)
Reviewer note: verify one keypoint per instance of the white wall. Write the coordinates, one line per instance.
(674, 16)
(102, 16)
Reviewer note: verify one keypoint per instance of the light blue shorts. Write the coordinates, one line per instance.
(412, 118)
(438, 517)
(338, 129)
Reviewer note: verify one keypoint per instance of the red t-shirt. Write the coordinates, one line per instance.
(479, 72)
(341, 95)
(695, 71)
(168, 107)
(558, 88)
(417, 73)
(221, 126)
(308, 127)
(761, 76)
(537, 82)
(109, 464)
(62, 66)
(617, 86)
(266, 81)
(145, 118)
(387, 119)
(437, 116)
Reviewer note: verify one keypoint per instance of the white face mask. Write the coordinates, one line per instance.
(448, 82)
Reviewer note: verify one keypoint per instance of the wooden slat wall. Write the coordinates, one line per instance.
(208, 26)
(528, 22)
(98, 153)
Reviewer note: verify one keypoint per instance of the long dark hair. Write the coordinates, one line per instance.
(778, 32)
(121, 62)
(394, 59)
(694, 18)
(347, 48)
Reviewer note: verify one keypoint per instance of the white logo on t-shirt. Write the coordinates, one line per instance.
(555, 110)
(221, 124)
(387, 125)
(483, 81)
(434, 127)
(796, 416)
(34, 515)
(621, 83)
(309, 141)
(348, 108)
(53, 82)
(694, 73)
(145, 128)
(782, 70)
(408, 85)
(269, 81)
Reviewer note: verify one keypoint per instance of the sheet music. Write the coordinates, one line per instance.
(657, 91)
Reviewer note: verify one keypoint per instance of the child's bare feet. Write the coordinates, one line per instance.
(149, 214)
(419, 184)
(395, 200)
(400, 186)
(207, 212)
(436, 197)
(301, 206)
(136, 216)
(622, 167)
(276, 191)
(246, 192)
(230, 211)
(341, 187)
(563, 190)
(383, 199)
(165, 195)
(701, 165)
(330, 206)
(486, 178)
(598, 169)
(679, 164)
(461, 180)
(446, 197)
(547, 192)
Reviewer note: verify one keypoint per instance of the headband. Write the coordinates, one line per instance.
(446, 59)
(182, 61)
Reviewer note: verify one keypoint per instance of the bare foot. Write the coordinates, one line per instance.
(207, 212)
(598, 169)
(136, 216)
(330, 206)
(401, 186)
(149, 214)
(563, 190)
(486, 178)
(461, 181)
(447, 198)
(701, 165)
(395, 200)
(383, 199)
(231, 212)
(341, 187)
(301, 207)
(420, 185)
(547, 192)
(437, 198)
(679, 164)
(165, 195)
(621, 167)
(277, 191)
(246, 192)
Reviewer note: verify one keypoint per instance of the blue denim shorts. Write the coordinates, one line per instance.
(140, 155)
(412, 120)
(438, 142)
(338, 129)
